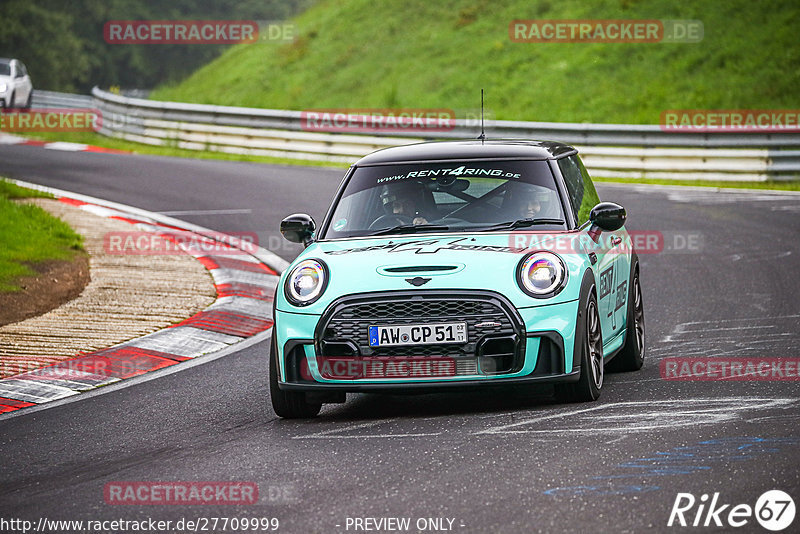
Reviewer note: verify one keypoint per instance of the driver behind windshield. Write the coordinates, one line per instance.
(403, 203)
(530, 208)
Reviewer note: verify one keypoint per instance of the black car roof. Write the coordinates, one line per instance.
(468, 149)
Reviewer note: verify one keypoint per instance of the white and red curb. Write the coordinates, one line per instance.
(245, 284)
(9, 139)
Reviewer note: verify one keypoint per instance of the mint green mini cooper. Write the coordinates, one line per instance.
(457, 265)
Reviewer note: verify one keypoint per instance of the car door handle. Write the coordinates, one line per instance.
(616, 240)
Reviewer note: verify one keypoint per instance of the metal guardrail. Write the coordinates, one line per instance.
(52, 99)
(609, 150)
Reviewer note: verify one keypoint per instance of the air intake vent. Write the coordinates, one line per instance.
(421, 269)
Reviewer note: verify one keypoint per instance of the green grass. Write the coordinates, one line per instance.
(789, 185)
(10, 190)
(418, 53)
(422, 54)
(29, 235)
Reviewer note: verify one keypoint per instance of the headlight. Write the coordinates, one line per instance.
(306, 282)
(3, 87)
(541, 274)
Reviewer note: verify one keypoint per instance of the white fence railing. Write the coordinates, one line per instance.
(51, 99)
(609, 150)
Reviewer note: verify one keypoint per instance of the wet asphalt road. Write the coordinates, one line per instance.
(725, 285)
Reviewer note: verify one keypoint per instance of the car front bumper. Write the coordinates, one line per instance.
(543, 337)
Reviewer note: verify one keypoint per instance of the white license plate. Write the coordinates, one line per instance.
(417, 334)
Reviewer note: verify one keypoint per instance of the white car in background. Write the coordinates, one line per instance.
(16, 89)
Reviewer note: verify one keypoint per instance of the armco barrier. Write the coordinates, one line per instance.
(52, 99)
(609, 150)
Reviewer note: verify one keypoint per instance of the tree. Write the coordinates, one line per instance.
(63, 46)
(43, 39)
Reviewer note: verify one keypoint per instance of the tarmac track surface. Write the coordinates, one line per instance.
(511, 461)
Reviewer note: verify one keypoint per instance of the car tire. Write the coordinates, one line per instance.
(11, 101)
(29, 101)
(589, 348)
(287, 404)
(631, 355)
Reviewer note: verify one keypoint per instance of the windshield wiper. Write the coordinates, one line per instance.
(410, 229)
(520, 223)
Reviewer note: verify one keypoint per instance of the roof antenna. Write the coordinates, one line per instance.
(482, 136)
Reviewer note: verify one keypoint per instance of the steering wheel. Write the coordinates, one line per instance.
(389, 220)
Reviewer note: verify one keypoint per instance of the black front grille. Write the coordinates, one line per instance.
(419, 309)
(488, 316)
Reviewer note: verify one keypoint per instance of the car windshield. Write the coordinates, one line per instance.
(447, 197)
(5, 69)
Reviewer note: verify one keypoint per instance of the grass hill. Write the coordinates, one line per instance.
(419, 53)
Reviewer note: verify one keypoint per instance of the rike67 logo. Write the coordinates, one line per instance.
(774, 510)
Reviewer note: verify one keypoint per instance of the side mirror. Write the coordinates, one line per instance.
(299, 228)
(608, 216)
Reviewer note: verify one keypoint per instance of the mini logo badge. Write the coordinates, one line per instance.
(418, 281)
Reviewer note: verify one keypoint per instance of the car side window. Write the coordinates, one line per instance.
(582, 194)
(22, 69)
